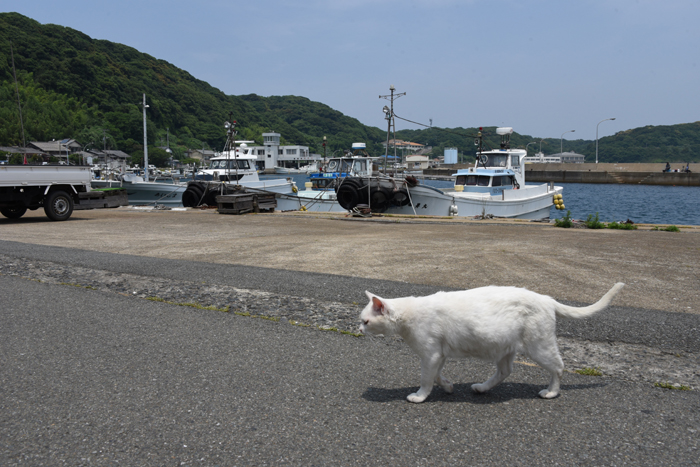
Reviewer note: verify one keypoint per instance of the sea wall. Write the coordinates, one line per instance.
(643, 178)
(645, 174)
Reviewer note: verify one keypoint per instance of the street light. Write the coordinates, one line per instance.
(596, 137)
(528, 145)
(561, 149)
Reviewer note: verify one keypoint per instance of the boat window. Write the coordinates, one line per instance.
(359, 166)
(461, 180)
(483, 180)
(496, 160)
(515, 161)
(496, 181)
(507, 181)
(346, 166)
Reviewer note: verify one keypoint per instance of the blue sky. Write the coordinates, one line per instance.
(542, 67)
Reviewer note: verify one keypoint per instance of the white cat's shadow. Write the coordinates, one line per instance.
(463, 393)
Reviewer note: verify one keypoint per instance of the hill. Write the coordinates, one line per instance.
(74, 86)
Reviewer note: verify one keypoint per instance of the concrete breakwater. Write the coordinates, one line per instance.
(645, 174)
(643, 178)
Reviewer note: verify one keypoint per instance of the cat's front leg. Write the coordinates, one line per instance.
(428, 370)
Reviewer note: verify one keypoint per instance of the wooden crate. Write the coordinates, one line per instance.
(235, 204)
(265, 202)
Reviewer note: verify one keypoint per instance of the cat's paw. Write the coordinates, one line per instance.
(479, 388)
(415, 398)
(446, 386)
(546, 394)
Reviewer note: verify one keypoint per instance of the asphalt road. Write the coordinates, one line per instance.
(96, 378)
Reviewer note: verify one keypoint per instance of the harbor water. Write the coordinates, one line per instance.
(646, 204)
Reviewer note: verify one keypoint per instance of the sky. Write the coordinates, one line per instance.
(541, 67)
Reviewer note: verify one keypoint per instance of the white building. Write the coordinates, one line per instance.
(272, 155)
(564, 157)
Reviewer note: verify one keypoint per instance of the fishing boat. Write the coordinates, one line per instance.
(233, 168)
(143, 193)
(319, 194)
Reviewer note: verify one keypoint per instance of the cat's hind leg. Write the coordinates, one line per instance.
(547, 356)
(428, 372)
(503, 369)
(441, 380)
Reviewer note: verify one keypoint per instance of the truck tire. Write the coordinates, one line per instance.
(58, 206)
(13, 213)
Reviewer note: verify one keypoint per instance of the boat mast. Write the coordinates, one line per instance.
(145, 140)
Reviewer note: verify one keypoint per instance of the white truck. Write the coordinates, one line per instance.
(56, 188)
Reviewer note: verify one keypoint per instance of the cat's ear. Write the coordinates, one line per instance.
(378, 306)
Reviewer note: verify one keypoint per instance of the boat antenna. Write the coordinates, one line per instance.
(19, 103)
(230, 144)
(390, 117)
(479, 142)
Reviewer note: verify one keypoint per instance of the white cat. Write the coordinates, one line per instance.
(490, 323)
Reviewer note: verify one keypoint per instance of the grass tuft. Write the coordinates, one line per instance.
(678, 387)
(589, 372)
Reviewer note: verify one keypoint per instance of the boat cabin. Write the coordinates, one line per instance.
(357, 163)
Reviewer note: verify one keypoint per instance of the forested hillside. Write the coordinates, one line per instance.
(73, 86)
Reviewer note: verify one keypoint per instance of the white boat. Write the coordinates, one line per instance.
(305, 169)
(235, 166)
(319, 194)
(495, 187)
(142, 193)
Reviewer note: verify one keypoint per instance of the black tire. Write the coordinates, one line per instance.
(347, 196)
(13, 213)
(400, 198)
(210, 197)
(58, 205)
(191, 197)
(379, 199)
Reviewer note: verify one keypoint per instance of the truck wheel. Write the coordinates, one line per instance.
(13, 213)
(58, 206)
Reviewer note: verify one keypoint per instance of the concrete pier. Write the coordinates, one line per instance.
(631, 173)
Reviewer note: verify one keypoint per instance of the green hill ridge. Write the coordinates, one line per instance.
(74, 86)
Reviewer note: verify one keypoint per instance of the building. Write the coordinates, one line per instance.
(404, 145)
(417, 162)
(272, 155)
(450, 155)
(564, 157)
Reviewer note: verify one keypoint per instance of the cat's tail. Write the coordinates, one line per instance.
(584, 312)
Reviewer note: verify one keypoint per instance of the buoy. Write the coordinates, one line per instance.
(303, 208)
(459, 187)
(294, 189)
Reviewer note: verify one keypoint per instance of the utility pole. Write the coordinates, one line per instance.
(145, 140)
(390, 116)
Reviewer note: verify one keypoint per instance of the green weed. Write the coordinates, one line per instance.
(679, 387)
(594, 222)
(564, 222)
(589, 372)
(621, 226)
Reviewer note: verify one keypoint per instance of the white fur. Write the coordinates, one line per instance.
(490, 323)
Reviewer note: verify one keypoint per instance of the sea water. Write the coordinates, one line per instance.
(646, 204)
